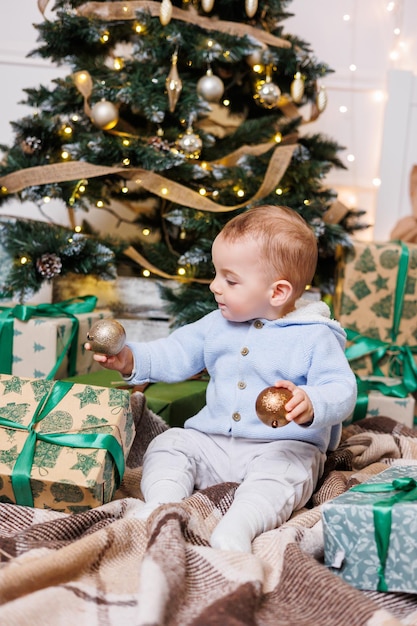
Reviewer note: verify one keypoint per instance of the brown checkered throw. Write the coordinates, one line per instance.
(103, 567)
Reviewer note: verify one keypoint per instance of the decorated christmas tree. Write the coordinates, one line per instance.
(185, 112)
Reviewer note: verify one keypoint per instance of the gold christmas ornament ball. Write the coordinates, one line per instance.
(104, 115)
(107, 336)
(270, 405)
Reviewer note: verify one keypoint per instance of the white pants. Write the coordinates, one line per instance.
(276, 477)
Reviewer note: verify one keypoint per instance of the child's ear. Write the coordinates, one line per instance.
(282, 292)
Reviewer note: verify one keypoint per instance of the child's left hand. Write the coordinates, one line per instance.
(299, 408)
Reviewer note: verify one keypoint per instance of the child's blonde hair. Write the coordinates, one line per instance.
(287, 244)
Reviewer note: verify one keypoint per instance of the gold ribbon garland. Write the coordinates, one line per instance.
(152, 182)
(127, 11)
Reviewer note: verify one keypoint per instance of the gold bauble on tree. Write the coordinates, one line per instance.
(321, 98)
(251, 6)
(104, 115)
(270, 405)
(207, 5)
(297, 88)
(165, 12)
(210, 87)
(173, 84)
(106, 336)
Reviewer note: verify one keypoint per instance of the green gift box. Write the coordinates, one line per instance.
(62, 445)
(370, 532)
(176, 402)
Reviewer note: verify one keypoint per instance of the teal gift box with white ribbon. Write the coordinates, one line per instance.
(370, 532)
(376, 302)
(63, 445)
(47, 340)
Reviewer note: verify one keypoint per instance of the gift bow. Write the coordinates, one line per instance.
(67, 308)
(406, 488)
(21, 471)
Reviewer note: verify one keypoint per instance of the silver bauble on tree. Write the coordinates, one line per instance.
(104, 114)
(210, 87)
(268, 94)
(190, 144)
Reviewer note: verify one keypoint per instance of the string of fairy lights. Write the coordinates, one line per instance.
(391, 16)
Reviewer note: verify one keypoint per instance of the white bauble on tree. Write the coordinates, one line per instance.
(210, 87)
(104, 114)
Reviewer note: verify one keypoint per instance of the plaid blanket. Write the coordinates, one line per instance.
(103, 567)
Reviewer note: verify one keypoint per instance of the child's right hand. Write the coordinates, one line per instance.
(121, 362)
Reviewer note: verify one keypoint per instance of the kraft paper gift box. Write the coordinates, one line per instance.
(388, 397)
(370, 532)
(174, 402)
(47, 340)
(376, 302)
(62, 445)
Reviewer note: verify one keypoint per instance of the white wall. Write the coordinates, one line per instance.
(367, 129)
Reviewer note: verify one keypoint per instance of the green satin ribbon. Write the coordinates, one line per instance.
(382, 514)
(21, 472)
(67, 308)
(365, 386)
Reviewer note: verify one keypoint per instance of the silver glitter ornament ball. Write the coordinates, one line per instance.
(107, 336)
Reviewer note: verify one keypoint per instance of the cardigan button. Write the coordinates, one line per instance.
(244, 351)
(241, 384)
(236, 417)
(258, 324)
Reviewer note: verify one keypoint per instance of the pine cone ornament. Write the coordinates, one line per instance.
(49, 265)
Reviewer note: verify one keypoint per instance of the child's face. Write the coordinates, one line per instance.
(241, 285)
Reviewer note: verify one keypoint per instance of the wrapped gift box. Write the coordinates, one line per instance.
(367, 550)
(399, 409)
(380, 395)
(174, 402)
(40, 341)
(62, 445)
(376, 301)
